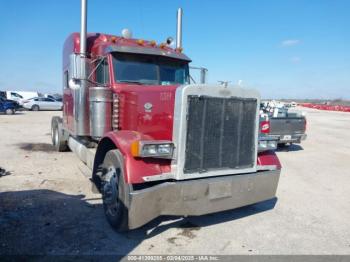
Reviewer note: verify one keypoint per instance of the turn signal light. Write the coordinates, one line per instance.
(134, 148)
(179, 49)
(113, 39)
(140, 42)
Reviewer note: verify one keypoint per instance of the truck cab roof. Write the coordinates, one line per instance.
(99, 44)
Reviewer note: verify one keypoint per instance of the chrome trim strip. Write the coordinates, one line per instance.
(163, 176)
(266, 168)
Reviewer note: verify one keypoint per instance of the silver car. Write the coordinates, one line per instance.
(42, 103)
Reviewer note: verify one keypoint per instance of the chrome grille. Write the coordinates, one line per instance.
(220, 133)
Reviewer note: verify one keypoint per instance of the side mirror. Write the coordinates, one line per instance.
(79, 68)
(74, 83)
(203, 72)
(203, 75)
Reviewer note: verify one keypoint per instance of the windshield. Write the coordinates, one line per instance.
(151, 70)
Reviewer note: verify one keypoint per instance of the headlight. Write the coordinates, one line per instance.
(149, 148)
(165, 149)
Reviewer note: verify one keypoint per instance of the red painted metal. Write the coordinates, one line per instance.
(157, 122)
(268, 158)
(97, 45)
(136, 168)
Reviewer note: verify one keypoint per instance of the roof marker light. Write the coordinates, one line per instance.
(140, 42)
(153, 43)
(113, 39)
(179, 49)
(103, 38)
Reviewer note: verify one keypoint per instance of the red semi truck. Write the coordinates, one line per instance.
(156, 144)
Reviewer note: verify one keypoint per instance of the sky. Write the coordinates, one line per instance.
(283, 48)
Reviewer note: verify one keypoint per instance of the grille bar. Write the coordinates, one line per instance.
(220, 133)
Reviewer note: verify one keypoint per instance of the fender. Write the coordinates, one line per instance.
(268, 158)
(134, 168)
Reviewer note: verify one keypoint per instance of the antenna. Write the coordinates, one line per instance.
(83, 28)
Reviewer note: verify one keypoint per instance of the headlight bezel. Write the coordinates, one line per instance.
(153, 149)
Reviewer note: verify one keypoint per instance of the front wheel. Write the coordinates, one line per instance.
(115, 192)
(10, 111)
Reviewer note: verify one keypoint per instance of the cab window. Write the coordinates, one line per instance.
(102, 75)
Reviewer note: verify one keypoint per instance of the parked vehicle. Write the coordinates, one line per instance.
(285, 126)
(266, 142)
(6, 106)
(15, 104)
(19, 96)
(156, 144)
(24, 94)
(42, 103)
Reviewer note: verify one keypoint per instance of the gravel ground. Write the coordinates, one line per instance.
(49, 206)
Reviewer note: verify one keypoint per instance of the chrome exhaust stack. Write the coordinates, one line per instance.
(83, 28)
(179, 29)
(81, 118)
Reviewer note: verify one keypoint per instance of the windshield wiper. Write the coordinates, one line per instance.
(130, 81)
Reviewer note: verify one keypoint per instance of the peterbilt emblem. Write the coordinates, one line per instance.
(148, 107)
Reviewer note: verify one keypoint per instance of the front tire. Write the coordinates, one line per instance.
(9, 111)
(115, 191)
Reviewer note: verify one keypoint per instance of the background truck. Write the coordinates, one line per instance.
(7, 106)
(19, 96)
(156, 144)
(285, 125)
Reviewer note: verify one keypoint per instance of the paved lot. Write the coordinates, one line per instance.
(48, 205)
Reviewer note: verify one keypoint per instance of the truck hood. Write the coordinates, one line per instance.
(149, 109)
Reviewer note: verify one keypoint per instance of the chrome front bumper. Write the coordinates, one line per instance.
(201, 196)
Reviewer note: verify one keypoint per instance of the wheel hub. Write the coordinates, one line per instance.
(110, 190)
